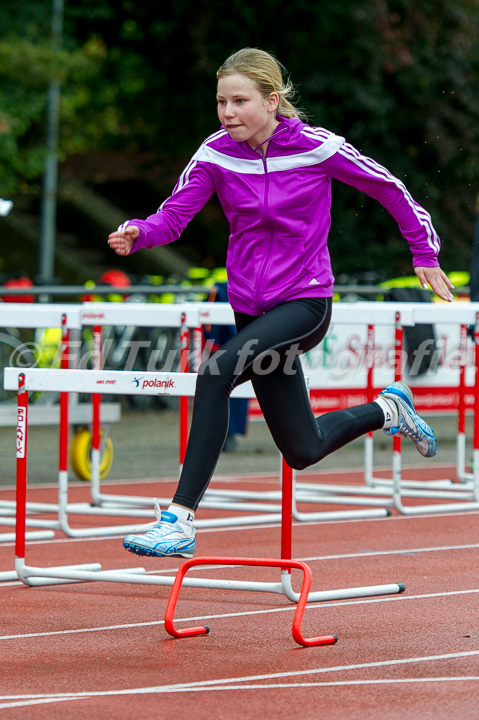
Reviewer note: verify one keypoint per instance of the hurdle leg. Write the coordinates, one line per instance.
(63, 508)
(369, 438)
(475, 457)
(286, 553)
(183, 400)
(462, 475)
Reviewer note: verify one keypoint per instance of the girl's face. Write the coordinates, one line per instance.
(244, 113)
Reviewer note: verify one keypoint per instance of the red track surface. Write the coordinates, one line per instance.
(99, 650)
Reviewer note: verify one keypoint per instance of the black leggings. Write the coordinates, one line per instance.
(266, 351)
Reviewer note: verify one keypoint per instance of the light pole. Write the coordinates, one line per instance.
(49, 195)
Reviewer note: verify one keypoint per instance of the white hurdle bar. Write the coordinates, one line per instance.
(122, 382)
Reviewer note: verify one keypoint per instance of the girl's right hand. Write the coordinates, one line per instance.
(121, 241)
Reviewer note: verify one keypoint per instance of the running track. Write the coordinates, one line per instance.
(99, 650)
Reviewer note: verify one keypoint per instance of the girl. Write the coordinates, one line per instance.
(272, 173)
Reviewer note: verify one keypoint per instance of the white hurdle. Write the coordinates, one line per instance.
(465, 501)
(190, 318)
(41, 316)
(464, 497)
(116, 382)
(124, 382)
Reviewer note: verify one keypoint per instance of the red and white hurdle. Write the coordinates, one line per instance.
(464, 494)
(190, 318)
(88, 381)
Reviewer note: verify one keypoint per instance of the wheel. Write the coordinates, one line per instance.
(80, 454)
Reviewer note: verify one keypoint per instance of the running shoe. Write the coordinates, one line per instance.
(167, 539)
(409, 423)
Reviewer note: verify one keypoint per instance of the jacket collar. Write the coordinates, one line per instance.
(283, 133)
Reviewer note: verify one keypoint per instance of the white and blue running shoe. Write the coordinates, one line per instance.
(408, 422)
(167, 539)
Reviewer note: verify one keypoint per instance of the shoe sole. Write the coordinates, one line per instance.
(137, 550)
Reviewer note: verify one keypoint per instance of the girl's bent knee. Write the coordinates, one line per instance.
(302, 460)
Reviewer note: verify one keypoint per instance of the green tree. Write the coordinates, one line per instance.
(397, 78)
(28, 63)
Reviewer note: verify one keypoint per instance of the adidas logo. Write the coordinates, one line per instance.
(313, 282)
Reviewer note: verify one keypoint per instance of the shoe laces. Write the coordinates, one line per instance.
(149, 526)
(158, 527)
(412, 427)
(160, 530)
(406, 429)
(412, 421)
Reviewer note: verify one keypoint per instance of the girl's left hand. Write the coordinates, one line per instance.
(437, 280)
(121, 241)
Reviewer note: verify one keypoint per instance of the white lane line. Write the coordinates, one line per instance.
(236, 688)
(403, 551)
(232, 683)
(221, 616)
(40, 701)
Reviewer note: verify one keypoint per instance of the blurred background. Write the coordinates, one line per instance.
(103, 102)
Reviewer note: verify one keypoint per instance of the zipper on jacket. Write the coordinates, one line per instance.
(268, 223)
(267, 216)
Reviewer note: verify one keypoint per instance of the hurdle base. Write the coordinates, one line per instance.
(66, 574)
(344, 594)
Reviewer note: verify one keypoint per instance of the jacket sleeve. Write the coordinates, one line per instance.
(352, 168)
(192, 191)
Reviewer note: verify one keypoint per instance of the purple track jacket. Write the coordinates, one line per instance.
(278, 207)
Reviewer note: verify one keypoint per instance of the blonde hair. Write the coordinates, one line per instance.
(268, 74)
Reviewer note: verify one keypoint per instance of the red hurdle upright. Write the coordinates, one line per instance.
(21, 453)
